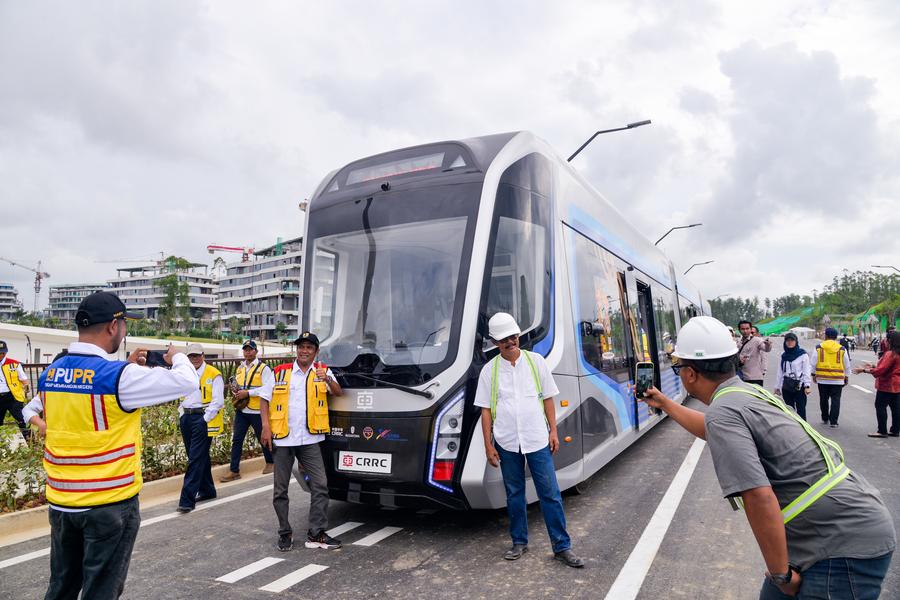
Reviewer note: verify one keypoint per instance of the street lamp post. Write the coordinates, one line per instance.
(887, 267)
(698, 265)
(591, 139)
(656, 243)
(722, 296)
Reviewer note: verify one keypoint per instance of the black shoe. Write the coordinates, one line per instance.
(285, 543)
(321, 540)
(200, 498)
(516, 552)
(568, 557)
(184, 509)
(894, 434)
(833, 425)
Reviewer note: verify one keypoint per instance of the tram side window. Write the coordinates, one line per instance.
(599, 305)
(519, 266)
(664, 316)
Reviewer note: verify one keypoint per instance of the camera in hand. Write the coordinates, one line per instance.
(156, 358)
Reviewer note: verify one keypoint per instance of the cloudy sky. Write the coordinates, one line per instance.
(133, 128)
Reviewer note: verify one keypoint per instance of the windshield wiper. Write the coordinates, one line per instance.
(396, 386)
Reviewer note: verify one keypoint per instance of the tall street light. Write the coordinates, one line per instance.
(722, 296)
(656, 243)
(698, 265)
(591, 139)
(887, 267)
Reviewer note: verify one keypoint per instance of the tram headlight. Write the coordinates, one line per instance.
(446, 441)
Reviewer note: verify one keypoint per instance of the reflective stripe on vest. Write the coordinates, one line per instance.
(495, 384)
(101, 458)
(830, 361)
(837, 472)
(316, 403)
(10, 370)
(90, 485)
(250, 379)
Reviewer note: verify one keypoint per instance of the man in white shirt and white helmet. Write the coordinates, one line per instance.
(515, 392)
(823, 531)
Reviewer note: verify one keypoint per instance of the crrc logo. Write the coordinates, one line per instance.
(348, 460)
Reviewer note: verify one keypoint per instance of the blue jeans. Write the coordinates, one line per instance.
(543, 474)
(844, 578)
(198, 476)
(243, 422)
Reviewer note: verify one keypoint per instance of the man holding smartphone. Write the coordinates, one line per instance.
(518, 420)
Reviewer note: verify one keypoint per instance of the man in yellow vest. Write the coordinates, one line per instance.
(253, 383)
(822, 529)
(92, 447)
(201, 421)
(13, 390)
(831, 371)
(296, 421)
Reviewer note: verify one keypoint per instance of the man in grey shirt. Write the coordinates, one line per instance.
(838, 545)
(753, 354)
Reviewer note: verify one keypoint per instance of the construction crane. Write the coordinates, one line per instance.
(38, 277)
(244, 250)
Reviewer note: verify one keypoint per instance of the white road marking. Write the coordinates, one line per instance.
(39, 553)
(374, 538)
(250, 569)
(860, 388)
(348, 526)
(24, 557)
(279, 585)
(631, 577)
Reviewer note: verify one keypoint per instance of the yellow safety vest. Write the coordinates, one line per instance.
(495, 385)
(830, 361)
(836, 471)
(249, 378)
(10, 370)
(92, 450)
(316, 403)
(215, 426)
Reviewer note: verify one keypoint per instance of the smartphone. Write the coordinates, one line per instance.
(643, 378)
(155, 359)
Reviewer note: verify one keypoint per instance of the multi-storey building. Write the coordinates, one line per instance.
(263, 292)
(64, 299)
(141, 288)
(9, 302)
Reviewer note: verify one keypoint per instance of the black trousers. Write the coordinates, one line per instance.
(9, 403)
(830, 392)
(796, 399)
(883, 401)
(90, 551)
(198, 477)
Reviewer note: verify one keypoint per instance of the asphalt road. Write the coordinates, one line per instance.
(227, 550)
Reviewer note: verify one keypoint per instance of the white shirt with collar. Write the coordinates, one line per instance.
(265, 390)
(139, 387)
(4, 387)
(521, 425)
(195, 399)
(298, 434)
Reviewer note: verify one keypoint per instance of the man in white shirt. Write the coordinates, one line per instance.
(295, 421)
(254, 381)
(94, 518)
(13, 390)
(518, 420)
(200, 422)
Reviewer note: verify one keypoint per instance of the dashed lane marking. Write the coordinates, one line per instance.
(39, 553)
(279, 585)
(634, 571)
(348, 526)
(374, 538)
(860, 388)
(250, 569)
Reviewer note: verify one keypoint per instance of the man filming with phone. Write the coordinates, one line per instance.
(92, 451)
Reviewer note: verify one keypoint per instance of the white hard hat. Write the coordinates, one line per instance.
(502, 325)
(704, 338)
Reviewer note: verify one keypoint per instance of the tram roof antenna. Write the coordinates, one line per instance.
(591, 139)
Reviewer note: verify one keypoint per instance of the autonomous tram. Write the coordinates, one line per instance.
(407, 256)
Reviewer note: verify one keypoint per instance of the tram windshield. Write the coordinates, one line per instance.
(386, 280)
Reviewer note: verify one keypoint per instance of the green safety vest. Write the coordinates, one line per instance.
(837, 472)
(495, 384)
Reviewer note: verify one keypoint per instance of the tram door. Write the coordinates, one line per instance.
(643, 338)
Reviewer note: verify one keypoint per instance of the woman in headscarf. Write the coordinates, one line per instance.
(794, 376)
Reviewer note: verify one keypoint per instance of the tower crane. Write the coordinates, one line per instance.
(244, 250)
(38, 277)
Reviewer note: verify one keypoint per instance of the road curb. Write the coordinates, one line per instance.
(26, 524)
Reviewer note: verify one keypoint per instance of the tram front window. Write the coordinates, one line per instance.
(384, 299)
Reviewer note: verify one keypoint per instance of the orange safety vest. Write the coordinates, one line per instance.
(830, 361)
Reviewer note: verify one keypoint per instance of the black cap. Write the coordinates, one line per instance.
(3, 347)
(249, 344)
(306, 336)
(102, 307)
